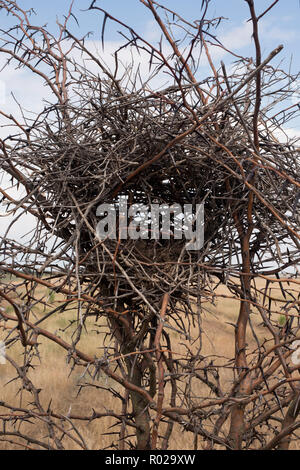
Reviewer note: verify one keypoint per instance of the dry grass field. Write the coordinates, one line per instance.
(52, 375)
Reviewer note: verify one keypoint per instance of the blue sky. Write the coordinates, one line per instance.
(281, 25)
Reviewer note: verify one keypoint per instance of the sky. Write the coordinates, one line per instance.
(279, 26)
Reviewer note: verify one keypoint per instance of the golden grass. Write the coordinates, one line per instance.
(53, 376)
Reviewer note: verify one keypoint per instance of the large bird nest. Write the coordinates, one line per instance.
(117, 143)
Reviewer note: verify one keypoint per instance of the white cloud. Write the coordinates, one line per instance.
(238, 37)
(270, 30)
(286, 133)
(2, 92)
(292, 133)
(152, 31)
(234, 40)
